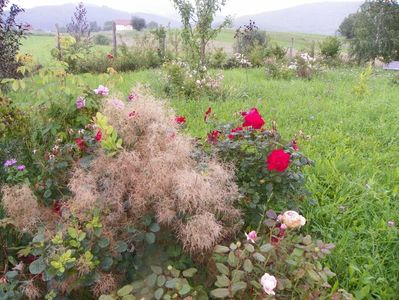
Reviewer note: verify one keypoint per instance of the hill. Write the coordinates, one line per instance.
(318, 18)
(61, 15)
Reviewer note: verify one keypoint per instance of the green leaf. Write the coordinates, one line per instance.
(158, 293)
(189, 272)
(129, 297)
(266, 248)
(186, 288)
(161, 280)
(222, 281)
(150, 238)
(237, 275)
(250, 248)
(127, 289)
(221, 249)
(238, 286)
(248, 267)
(173, 283)
(222, 268)
(121, 246)
(38, 266)
(156, 269)
(220, 293)
(106, 297)
(151, 280)
(259, 257)
(233, 260)
(11, 274)
(103, 242)
(155, 227)
(106, 263)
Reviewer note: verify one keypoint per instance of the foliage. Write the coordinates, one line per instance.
(138, 23)
(374, 30)
(196, 35)
(346, 28)
(79, 26)
(101, 39)
(330, 47)
(278, 69)
(362, 89)
(107, 135)
(294, 259)
(304, 66)
(218, 59)
(182, 81)
(248, 149)
(11, 33)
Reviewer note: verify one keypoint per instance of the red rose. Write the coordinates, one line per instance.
(207, 114)
(234, 132)
(81, 144)
(110, 56)
(99, 136)
(180, 120)
(253, 119)
(278, 160)
(213, 137)
(57, 207)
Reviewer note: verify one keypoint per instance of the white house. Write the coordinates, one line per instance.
(123, 25)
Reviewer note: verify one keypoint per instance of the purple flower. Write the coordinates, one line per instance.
(80, 102)
(101, 90)
(118, 103)
(10, 162)
(391, 224)
(21, 168)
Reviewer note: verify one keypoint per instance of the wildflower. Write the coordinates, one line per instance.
(101, 90)
(81, 131)
(234, 132)
(252, 236)
(10, 162)
(269, 283)
(391, 224)
(99, 136)
(80, 102)
(278, 160)
(207, 114)
(81, 144)
(55, 148)
(133, 96)
(180, 120)
(132, 114)
(21, 168)
(57, 207)
(253, 119)
(213, 137)
(291, 219)
(118, 103)
(110, 56)
(51, 157)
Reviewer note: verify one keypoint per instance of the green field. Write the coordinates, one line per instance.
(354, 182)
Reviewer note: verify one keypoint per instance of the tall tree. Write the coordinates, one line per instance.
(138, 23)
(11, 34)
(79, 27)
(197, 19)
(375, 31)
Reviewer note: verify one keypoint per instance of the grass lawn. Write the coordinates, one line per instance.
(354, 182)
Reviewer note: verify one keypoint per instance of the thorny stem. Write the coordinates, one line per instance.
(264, 213)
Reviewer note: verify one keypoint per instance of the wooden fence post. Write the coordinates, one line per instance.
(115, 49)
(57, 32)
(292, 48)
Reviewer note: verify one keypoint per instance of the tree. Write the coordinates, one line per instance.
(108, 26)
(11, 34)
(248, 37)
(152, 25)
(197, 22)
(79, 27)
(346, 28)
(138, 23)
(330, 47)
(375, 31)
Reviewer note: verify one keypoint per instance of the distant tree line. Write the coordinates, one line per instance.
(373, 32)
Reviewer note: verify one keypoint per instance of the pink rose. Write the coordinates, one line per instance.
(252, 236)
(269, 283)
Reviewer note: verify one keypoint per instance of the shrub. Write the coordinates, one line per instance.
(218, 59)
(181, 80)
(101, 39)
(330, 47)
(304, 65)
(362, 89)
(249, 36)
(278, 69)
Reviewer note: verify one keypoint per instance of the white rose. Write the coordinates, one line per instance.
(292, 219)
(268, 283)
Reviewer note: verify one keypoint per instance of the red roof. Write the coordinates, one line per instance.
(123, 22)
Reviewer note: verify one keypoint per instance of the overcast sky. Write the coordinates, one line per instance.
(164, 7)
